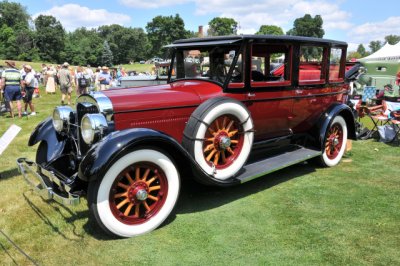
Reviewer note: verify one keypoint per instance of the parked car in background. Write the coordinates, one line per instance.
(159, 76)
(127, 149)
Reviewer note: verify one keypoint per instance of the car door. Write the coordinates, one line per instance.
(269, 97)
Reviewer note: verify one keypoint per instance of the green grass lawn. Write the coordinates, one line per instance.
(302, 215)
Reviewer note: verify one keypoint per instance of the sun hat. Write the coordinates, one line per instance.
(10, 63)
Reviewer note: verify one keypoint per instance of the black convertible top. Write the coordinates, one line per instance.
(262, 38)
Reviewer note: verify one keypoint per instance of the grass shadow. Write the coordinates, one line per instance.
(196, 198)
(57, 208)
(9, 174)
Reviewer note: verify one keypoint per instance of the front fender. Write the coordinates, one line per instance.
(104, 153)
(327, 117)
(46, 132)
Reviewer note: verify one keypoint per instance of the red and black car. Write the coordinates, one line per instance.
(261, 104)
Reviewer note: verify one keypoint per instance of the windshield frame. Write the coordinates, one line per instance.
(237, 47)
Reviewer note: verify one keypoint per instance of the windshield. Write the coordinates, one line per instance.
(211, 63)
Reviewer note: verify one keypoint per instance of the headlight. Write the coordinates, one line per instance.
(92, 127)
(62, 116)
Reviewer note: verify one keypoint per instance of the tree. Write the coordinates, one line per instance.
(50, 38)
(14, 15)
(126, 44)
(107, 56)
(361, 50)
(353, 55)
(222, 26)
(163, 30)
(392, 39)
(270, 30)
(375, 46)
(308, 26)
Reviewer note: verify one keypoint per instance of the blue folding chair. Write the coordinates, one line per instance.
(369, 93)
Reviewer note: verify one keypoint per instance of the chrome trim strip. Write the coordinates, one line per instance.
(27, 167)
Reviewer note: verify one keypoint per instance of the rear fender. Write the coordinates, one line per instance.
(327, 117)
(46, 132)
(115, 145)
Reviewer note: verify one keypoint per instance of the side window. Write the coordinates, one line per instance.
(311, 68)
(335, 65)
(270, 65)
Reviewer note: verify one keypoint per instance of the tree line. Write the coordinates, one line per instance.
(45, 39)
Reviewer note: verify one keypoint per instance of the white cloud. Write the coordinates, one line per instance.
(252, 14)
(152, 4)
(372, 31)
(73, 16)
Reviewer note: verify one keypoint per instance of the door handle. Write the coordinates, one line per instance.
(251, 94)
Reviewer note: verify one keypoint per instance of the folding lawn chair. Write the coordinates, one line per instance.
(381, 114)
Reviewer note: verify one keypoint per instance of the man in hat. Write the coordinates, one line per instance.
(29, 87)
(65, 79)
(11, 84)
(104, 78)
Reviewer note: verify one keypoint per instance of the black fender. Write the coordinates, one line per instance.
(115, 145)
(45, 131)
(327, 117)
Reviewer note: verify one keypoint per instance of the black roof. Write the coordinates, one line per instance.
(238, 38)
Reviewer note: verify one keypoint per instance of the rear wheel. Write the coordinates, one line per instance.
(138, 192)
(335, 142)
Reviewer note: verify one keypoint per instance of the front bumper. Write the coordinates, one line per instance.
(45, 182)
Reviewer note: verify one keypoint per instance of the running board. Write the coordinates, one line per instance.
(275, 163)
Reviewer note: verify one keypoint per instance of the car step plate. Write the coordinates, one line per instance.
(275, 163)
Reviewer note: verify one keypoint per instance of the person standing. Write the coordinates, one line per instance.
(65, 83)
(29, 87)
(11, 84)
(51, 84)
(104, 78)
(82, 81)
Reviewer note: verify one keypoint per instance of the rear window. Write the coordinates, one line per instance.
(311, 68)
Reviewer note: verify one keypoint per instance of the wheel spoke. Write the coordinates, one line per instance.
(151, 180)
(232, 133)
(217, 124)
(230, 150)
(146, 173)
(137, 174)
(234, 141)
(122, 203)
(209, 147)
(128, 176)
(120, 195)
(224, 122)
(154, 188)
(223, 157)
(123, 185)
(211, 131)
(128, 209)
(229, 126)
(146, 206)
(211, 155)
(137, 210)
(216, 158)
(152, 197)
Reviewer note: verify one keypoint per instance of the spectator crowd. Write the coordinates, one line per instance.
(20, 86)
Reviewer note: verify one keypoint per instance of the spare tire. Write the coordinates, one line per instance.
(219, 135)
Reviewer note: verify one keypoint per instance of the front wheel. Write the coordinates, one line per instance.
(138, 192)
(335, 142)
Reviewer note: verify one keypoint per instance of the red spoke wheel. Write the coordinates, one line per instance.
(335, 142)
(137, 193)
(219, 135)
(223, 141)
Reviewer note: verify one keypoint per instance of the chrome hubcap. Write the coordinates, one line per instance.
(225, 142)
(141, 194)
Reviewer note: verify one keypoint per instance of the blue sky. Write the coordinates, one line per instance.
(352, 21)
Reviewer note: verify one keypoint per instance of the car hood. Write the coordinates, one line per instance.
(177, 94)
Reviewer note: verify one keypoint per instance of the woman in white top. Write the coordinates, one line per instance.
(51, 84)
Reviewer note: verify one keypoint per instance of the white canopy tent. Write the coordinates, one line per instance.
(387, 52)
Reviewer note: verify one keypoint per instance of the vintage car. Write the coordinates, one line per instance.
(127, 149)
(159, 77)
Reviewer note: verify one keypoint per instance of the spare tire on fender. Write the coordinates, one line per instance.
(219, 135)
